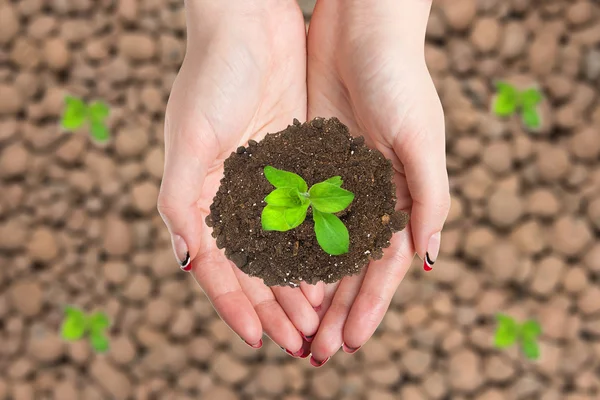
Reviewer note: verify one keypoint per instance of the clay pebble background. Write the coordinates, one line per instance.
(78, 223)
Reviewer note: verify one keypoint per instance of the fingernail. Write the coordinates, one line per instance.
(181, 253)
(433, 249)
(296, 354)
(316, 363)
(305, 353)
(307, 338)
(255, 346)
(350, 350)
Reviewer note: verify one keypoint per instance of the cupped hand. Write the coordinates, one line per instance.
(243, 76)
(366, 66)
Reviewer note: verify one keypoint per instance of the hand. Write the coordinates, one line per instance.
(366, 66)
(243, 76)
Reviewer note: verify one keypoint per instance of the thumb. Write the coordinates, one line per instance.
(187, 159)
(422, 151)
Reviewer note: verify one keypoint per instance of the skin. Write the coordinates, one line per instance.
(243, 76)
(249, 70)
(366, 66)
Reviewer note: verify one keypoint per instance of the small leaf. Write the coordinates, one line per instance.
(531, 329)
(75, 113)
(285, 179)
(335, 180)
(531, 98)
(331, 233)
(98, 322)
(99, 132)
(507, 331)
(282, 218)
(98, 111)
(329, 198)
(75, 324)
(531, 118)
(99, 342)
(284, 197)
(530, 348)
(506, 101)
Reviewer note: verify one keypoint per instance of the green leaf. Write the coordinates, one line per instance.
(98, 322)
(285, 179)
(531, 330)
(506, 101)
(335, 180)
(507, 331)
(284, 197)
(331, 232)
(75, 113)
(531, 98)
(530, 348)
(282, 218)
(531, 118)
(99, 342)
(99, 132)
(98, 111)
(329, 198)
(75, 324)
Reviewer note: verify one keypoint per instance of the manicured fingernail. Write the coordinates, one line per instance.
(316, 363)
(296, 354)
(181, 253)
(433, 249)
(350, 350)
(307, 338)
(305, 353)
(255, 346)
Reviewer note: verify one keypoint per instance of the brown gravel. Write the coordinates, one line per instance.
(78, 223)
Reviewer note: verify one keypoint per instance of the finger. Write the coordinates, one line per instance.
(329, 339)
(314, 293)
(298, 309)
(274, 320)
(187, 160)
(422, 152)
(215, 275)
(378, 287)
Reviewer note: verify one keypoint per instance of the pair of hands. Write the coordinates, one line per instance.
(250, 69)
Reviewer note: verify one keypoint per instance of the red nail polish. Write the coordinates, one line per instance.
(350, 350)
(296, 354)
(307, 338)
(255, 346)
(305, 354)
(316, 363)
(428, 263)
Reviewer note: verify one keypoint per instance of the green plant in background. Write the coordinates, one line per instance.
(509, 100)
(288, 204)
(77, 324)
(77, 113)
(509, 332)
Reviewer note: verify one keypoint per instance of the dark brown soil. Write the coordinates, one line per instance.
(316, 151)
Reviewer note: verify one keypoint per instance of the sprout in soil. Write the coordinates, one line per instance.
(77, 113)
(287, 206)
(509, 332)
(77, 324)
(509, 100)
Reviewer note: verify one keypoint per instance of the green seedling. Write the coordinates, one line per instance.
(77, 114)
(509, 101)
(509, 332)
(77, 325)
(287, 206)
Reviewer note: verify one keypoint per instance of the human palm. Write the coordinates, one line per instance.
(239, 81)
(362, 69)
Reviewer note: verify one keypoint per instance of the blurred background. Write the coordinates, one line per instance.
(78, 223)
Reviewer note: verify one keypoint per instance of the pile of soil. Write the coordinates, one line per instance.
(316, 151)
